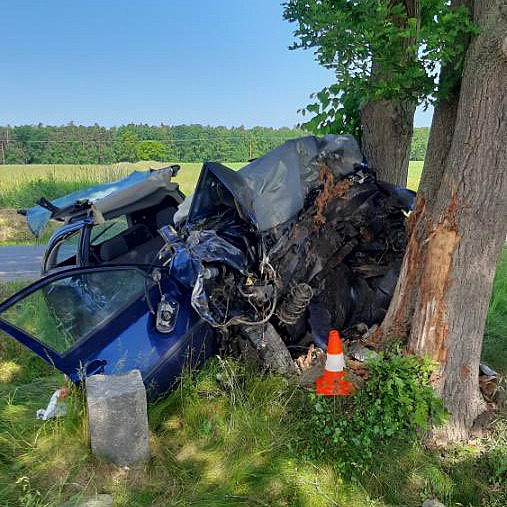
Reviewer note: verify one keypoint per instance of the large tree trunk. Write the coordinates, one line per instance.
(388, 125)
(457, 239)
(442, 125)
(387, 134)
(398, 318)
(439, 143)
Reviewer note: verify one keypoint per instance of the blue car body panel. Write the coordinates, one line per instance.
(129, 340)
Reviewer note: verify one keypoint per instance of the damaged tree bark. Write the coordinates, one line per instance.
(397, 321)
(442, 296)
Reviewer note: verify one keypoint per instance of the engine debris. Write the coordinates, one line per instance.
(299, 241)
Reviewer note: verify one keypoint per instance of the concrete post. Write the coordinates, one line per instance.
(117, 412)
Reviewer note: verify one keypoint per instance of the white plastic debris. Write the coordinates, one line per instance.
(183, 209)
(56, 407)
(94, 501)
(432, 503)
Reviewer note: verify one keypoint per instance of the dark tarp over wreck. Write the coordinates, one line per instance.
(320, 241)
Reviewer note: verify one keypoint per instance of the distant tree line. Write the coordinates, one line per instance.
(77, 144)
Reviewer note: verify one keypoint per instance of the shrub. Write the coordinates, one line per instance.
(396, 403)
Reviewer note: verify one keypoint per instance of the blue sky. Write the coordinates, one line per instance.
(217, 62)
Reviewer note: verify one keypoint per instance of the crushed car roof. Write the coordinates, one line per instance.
(138, 190)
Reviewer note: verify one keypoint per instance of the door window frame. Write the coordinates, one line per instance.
(71, 229)
(33, 343)
(86, 243)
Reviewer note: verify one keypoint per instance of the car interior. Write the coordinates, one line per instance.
(140, 242)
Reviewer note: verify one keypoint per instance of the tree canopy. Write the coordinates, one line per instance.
(378, 50)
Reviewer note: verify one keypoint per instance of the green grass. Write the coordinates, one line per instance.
(495, 337)
(229, 443)
(22, 185)
(414, 174)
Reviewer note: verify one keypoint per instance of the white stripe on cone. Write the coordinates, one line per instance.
(335, 362)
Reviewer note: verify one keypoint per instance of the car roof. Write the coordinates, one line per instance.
(139, 190)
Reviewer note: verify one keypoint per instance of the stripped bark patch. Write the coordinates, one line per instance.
(414, 217)
(408, 276)
(429, 331)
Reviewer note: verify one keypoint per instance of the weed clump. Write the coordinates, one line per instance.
(396, 403)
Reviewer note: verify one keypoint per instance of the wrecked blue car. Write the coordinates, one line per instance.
(259, 262)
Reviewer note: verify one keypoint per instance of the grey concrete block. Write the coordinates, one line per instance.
(118, 417)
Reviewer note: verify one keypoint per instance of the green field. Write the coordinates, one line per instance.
(22, 185)
(414, 174)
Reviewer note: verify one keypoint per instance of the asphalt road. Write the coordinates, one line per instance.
(20, 262)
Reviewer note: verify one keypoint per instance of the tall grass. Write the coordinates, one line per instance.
(415, 168)
(22, 185)
(223, 438)
(495, 337)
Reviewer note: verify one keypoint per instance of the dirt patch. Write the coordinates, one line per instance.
(13, 227)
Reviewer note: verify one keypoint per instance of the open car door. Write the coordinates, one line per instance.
(102, 320)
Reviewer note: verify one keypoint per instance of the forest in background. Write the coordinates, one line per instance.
(77, 144)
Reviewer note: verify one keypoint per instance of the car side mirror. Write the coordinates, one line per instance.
(167, 313)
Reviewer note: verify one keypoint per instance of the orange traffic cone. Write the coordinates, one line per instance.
(333, 383)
